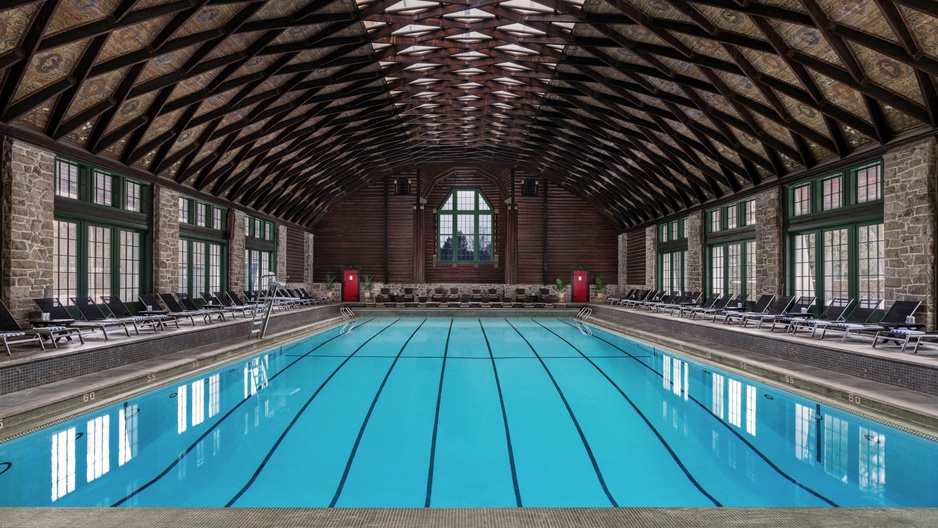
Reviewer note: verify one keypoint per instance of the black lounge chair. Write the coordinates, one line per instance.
(93, 316)
(211, 309)
(763, 304)
(223, 301)
(800, 311)
(495, 299)
(175, 309)
(119, 310)
(12, 334)
(779, 309)
(833, 312)
(895, 318)
(859, 318)
(707, 303)
(716, 307)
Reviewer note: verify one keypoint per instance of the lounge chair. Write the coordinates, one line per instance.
(779, 308)
(231, 299)
(858, 318)
(223, 301)
(12, 334)
(646, 295)
(833, 312)
(119, 310)
(716, 307)
(800, 311)
(707, 303)
(763, 304)
(896, 317)
(93, 316)
(59, 324)
(175, 309)
(495, 299)
(409, 299)
(212, 309)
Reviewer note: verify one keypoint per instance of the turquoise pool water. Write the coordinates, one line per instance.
(485, 412)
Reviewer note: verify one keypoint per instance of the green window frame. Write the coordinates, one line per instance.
(851, 187)
(731, 267)
(466, 224)
(259, 229)
(672, 270)
(844, 260)
(201, 214)
(102, 240)
(672, 230)
(731, 216)
(202, 266)
(257, 263)
(93, 258)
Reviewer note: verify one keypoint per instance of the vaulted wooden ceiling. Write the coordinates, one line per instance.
(644, 107)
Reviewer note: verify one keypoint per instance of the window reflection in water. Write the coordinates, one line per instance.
(99, 452)
(63, 463)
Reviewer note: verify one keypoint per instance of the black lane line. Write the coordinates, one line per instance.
(296, 418)
(576, 423)
(726, 426)
(436, 418)
(221, 419)
(361, 431)
(501, 402)
(644, 418)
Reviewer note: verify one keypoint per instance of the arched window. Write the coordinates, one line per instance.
(465, 228)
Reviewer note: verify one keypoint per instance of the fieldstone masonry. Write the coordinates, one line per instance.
(769, 243)
(909, 216)
(696, 251)
(236, 252)
(623, 258)
(308, 261)
(651, 256)
(282, 253)
(28, 174)
(165, 239)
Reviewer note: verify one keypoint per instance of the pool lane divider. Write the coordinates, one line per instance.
(501, 402)
(576, 423)
(374, 402)
(223, 417)
(651, 427)
(725, 425)
(436, 417)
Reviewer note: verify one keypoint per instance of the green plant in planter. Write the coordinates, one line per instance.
(561, 288)
(330, 284)
(367, 283)
(600, 282)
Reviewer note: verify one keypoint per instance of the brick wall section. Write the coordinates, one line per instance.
(165, 239)
(770, 267)
(236, 253)
(651, 256)
(28, 230)
(909, 218)
(696, 251)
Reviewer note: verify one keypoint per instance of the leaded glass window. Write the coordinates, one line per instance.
(465, 228)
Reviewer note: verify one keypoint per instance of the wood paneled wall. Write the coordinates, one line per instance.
(296, 255)
(635, 256)
(375, 229)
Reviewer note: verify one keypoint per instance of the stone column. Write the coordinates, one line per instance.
(696, 251)
(621, 277)
(308, 259)
(770, 269)
(28, 203)
(651, 257)
(281, 252)
(165, 239)
(909, 215)
(236, 252)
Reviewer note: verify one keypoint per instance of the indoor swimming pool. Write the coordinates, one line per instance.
(490, 412)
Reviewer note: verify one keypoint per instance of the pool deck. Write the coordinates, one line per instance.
(463, 518)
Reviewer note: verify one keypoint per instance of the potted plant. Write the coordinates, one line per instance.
(330, 285)
(561, 289)
(367, 283)
(600, 288)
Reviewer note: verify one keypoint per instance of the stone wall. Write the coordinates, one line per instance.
(651, 256)
(236, 252)
(282, 253)
(770, 267)
(308, 258)
(623, 259)
(165, 239)
(909, 218)
(696, 251)
(28, 203)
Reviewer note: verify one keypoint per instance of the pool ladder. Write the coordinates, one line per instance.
(582, 317)
(349, 317)
(260, 316)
